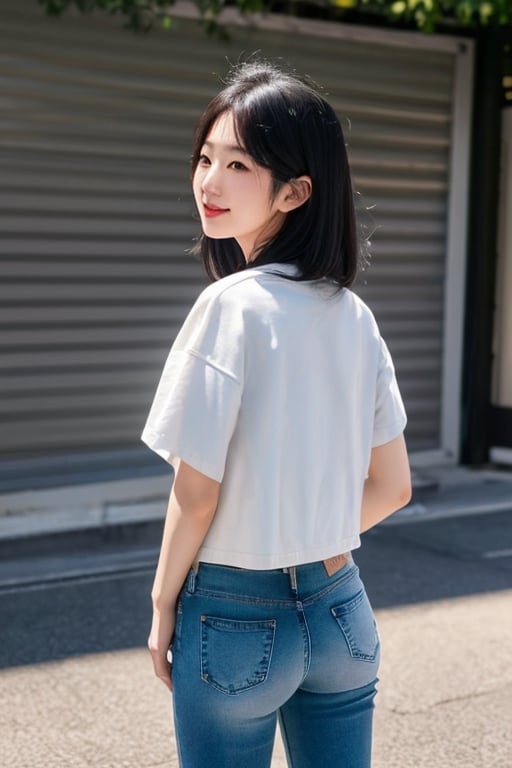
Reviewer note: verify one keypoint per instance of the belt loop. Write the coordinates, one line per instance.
(191, 581)
(292, 570)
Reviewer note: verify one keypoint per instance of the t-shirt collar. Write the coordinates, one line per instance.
(275, 268)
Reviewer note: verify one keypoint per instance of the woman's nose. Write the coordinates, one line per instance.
(211, 181)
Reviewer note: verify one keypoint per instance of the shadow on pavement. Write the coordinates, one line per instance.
(437, 559)
(72, 618)
(401, 564)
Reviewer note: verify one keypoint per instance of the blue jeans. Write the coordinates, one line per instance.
(254, 646)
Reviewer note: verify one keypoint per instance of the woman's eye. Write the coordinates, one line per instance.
(238, 166)
(203, 160)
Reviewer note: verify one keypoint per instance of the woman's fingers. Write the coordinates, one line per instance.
(161, 665)
(162, 630)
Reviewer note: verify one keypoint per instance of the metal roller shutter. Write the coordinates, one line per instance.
(97, 215)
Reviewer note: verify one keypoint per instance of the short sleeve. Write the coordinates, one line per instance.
(390, 418)
(196, 405)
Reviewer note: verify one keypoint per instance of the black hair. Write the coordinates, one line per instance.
(290, 129)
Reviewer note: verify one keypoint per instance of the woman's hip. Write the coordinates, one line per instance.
(243, 631)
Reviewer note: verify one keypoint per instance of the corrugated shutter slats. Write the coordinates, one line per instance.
(97, 214)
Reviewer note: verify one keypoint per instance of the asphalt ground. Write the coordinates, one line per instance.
(76, 686)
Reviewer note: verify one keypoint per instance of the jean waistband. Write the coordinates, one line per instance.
(332, 565)
(307, 578)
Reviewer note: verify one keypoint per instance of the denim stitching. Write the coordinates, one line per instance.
(340, 615)
(268, 626)
(353, 571)
(236, 597)
(307, 638)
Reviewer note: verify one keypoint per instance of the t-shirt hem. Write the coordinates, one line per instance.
(173, 457)
(264, 562)
(384, 435)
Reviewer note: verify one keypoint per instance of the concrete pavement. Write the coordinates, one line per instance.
(445, 698)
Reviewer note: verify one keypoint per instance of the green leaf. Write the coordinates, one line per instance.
(142, 15)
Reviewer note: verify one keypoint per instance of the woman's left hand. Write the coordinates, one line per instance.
(159, 641)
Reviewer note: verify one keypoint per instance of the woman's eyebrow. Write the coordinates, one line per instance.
(229, 147)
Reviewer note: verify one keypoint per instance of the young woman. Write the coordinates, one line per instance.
(279, 409)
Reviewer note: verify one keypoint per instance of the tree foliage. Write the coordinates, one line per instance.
(142, 15)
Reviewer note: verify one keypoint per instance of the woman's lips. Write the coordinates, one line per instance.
(212, 210)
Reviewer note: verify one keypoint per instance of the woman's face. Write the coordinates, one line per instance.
(233, 194)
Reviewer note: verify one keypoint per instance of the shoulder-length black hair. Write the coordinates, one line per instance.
(288, 128)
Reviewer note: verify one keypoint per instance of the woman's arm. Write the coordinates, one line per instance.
(388, 485)
(191, 509)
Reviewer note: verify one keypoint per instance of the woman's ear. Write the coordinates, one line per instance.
(295, 193)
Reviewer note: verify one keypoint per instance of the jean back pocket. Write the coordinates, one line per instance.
(357, 622)
(235, 654)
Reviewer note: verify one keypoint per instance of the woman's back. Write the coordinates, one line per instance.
(278, 381)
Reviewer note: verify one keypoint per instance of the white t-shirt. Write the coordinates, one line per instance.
(278, 390)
